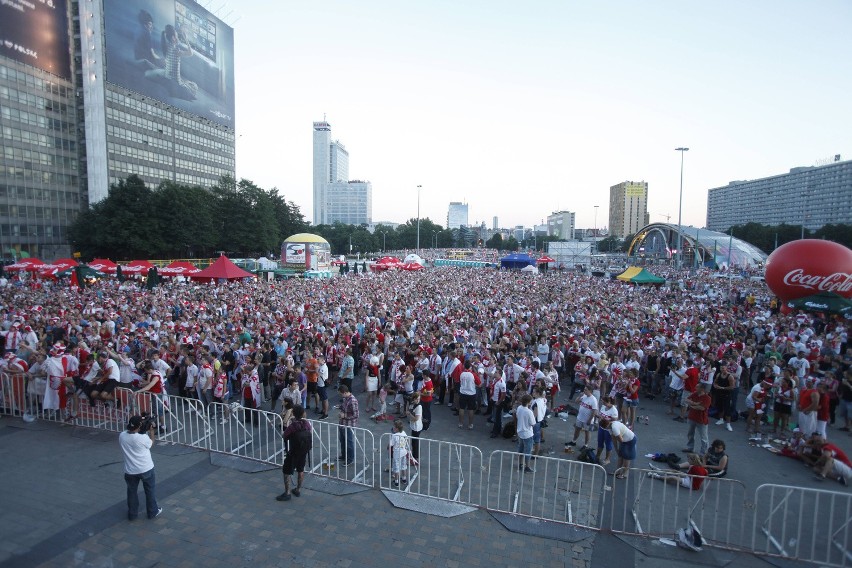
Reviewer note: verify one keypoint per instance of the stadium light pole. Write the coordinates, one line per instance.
(596, 228)
(680, 208)
(418, 218)
(384, 240)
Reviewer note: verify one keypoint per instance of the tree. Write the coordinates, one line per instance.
(495, 242)
(609, 244)
(511, 244)
(186, 218)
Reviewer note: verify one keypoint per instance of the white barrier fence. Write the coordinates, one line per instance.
(791, 522)
(556, 489)
(803, 524)
(433, 468)
(658, 503)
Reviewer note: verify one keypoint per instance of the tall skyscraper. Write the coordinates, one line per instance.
(336, 198)
(809, 196)
(457, 215)
(628, 208)
(84, 106)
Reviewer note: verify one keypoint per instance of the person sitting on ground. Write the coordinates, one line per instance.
(693, 478)
(715, 460)
(833, 463)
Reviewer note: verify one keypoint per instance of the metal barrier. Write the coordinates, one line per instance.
(643, 505)
(245, 432)
(185, 422)
(804, 524)
(14, 393)
(558, 490)
(443, 470)
(327, 457)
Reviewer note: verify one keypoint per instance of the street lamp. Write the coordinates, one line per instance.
(418, 218)
(596, 227)
(435, 238)
(384, 241)
(680, 208)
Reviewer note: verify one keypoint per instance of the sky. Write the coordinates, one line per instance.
(525, 108)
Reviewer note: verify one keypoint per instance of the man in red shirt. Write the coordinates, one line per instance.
(697, 405)
(833, 463)
(690, 381)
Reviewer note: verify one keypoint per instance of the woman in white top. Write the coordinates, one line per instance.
(415, 423)
(626, 441)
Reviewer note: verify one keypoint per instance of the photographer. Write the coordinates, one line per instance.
(136, 443)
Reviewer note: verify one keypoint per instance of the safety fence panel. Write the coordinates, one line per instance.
(799, 523)
(658, 503)
(347, 453)
(555, 489)
(185, 421)
(432, 468)
(14, 394)
(246, 432)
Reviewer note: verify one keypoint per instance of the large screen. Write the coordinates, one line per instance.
(35, 32)
(174, 51)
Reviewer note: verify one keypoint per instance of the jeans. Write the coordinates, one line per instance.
(427, 414)
(497, 418)
(525, 447)
(346, 442)
(149, 485)
(702, 436)
(735, 394)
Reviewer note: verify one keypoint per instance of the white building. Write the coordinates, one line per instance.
(336, 198)
(561, 224)
(457, 215)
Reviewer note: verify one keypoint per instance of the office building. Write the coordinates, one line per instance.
(810, 196)
(494, 224)
(336, 198)
(83, 106)
(560, 224)
(457, 215)
(628, 208)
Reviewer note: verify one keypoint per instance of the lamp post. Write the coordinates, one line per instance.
(680, 208)
(418, 218)
(384, 240)
(596, 228)
(435, 238)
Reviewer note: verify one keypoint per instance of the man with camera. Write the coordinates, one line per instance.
(136, 443)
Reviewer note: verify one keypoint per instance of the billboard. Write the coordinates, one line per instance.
(174, 51)
(294, 253)
(35, 32)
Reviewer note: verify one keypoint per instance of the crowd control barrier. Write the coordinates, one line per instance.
(803, 524)
(246, 432)
(443, 470)
(340, 452)
(556, 489)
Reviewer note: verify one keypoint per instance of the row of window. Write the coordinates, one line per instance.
(34, 119)
(194, 180)
(31, 230)
(15, 172)
(204, 155)
(138, 105)
(209, 129)
(35, 101)
(52, 195)
(138, 121)
(34, 83)
(129, 135)
(202, 168)
(226, 149)
(138, 154)
(33, 212)
(124, 169)
(38, 139)
(30, 157)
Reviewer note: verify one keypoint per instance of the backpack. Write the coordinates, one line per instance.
(508, 430)
(300, 441)
(588, 455)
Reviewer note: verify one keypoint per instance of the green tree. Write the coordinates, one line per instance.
(495, 242)
(185, 219)
(511, 244)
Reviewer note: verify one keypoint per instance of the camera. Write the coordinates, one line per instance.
(147, 423)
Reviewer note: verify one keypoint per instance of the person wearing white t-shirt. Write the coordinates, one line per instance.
(586, 414)
(524, 423)
(139, 466)
(626, 443)
(610, 412)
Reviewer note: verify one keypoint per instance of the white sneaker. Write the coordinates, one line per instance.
(720, 421)
(728, 427)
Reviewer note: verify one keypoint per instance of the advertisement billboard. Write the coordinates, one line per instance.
(174, 51)
(35, 32)
(294, 253)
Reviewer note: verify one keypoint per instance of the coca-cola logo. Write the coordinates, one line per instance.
(837, 282)
(809, 266)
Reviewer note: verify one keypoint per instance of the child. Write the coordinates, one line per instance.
(398, 449)
(383, 402)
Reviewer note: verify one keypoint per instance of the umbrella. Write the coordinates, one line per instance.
(545, 259)
(389, 260)
(103, 265)
(411, 266)
(828, 302)
(82, 271)
(27, 264)
(179, 268)
(137, 267)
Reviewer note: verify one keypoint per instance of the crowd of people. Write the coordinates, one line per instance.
(504, 350)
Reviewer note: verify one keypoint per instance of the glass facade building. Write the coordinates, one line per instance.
(336, 198)
(658, 242)
(809, 196)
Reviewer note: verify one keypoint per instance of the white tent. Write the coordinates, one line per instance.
(266, 264)
(529, 268)
(414, 258)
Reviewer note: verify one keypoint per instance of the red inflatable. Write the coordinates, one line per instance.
(809, 266)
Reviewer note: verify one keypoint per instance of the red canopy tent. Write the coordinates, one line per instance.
(390, 260)
(137, 267)
(103, 265)
(26, 264)
(179, 268)
(411, 266)
(223, 268)
(57, 266)
(545, 259)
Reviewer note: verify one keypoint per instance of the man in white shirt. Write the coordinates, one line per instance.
(524, 423)
(467, 395)
(138, 466)
(496, 394)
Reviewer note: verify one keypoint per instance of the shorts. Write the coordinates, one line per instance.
(323, 394)
(537, 433)
(467, 402)
(295, 462)
(686, 483)
(627, 450)
(684, 394)
(109, 386)
(604, 439)
(312, 388)
(585, 426)
(840, 469)
(525, 445)
(783, 409)
(631, 402)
